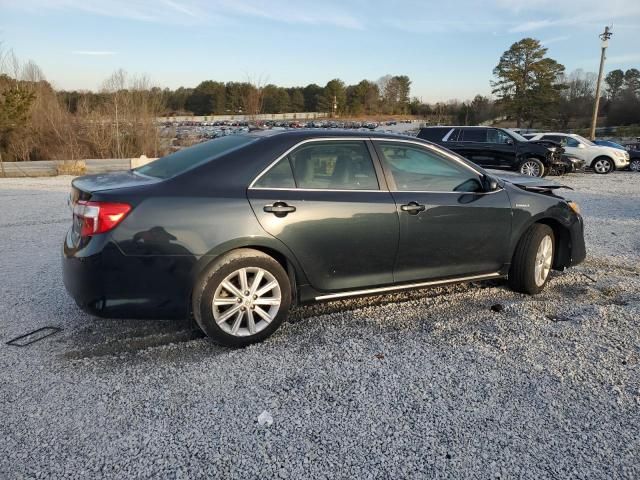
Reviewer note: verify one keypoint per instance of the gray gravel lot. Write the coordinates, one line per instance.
(419, 384)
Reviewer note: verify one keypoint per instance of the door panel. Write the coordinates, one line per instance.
(343, 240)
(340, 225)
(449, 226)
(503, 153)
(457, 234)
(472, 144)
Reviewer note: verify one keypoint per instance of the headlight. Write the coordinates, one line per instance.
(574, 206)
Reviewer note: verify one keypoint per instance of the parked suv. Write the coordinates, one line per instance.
(601, 158)
(496, 148)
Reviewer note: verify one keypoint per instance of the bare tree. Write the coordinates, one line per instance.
(253, 96)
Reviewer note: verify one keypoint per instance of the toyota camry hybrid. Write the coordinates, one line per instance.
(237, 230)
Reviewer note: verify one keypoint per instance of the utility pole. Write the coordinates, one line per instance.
(605, 43)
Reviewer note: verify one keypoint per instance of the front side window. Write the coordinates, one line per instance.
(417, 169)
(572, 142)
(498, 136)
(334, 165)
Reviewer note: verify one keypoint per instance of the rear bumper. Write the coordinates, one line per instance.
(106, 283)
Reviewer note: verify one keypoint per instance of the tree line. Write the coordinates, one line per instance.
(388, 95)
(533, 90)
(530, 90)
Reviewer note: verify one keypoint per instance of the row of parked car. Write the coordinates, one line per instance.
(537, 154)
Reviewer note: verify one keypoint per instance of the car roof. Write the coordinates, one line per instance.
(559, 133)
(303, 134)
(462, 126)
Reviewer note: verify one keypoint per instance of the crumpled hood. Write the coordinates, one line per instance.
(534, 184)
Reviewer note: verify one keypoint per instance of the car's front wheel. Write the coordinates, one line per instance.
(532, 260)
(634, 166)
(242, 298)
(532, 167)
(603, 165)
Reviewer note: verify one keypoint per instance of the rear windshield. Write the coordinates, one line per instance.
(183, 160)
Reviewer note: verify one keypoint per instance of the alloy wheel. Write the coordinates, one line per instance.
(602, 166)
(530, 168)
(246, 301)
(544, 257)
(634, 166)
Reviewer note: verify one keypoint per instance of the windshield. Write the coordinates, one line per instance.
(584, 140)
(188, 158)
(517, 136)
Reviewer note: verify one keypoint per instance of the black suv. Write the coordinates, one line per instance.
(497, 148)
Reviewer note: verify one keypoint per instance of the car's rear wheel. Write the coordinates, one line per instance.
(602, 165)
(532, 167)
(634, 166)
(242, 298)
(532, 260)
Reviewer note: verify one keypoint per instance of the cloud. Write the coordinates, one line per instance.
(549, 41)
(96, 53)
(192, 12)
(624, 58)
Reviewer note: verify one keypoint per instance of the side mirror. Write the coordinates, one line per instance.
(581, 145)
(490, 184)
(508, 141)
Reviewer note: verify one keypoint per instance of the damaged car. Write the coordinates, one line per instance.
(239, 229)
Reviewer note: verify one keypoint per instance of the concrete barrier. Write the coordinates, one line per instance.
(50, 168)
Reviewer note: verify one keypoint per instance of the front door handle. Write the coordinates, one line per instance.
(279, 209)
(413, 208)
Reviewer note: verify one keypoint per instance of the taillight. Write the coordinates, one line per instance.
(99, 217)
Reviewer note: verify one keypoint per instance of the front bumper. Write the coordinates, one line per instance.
(578, 247)
(621, 162)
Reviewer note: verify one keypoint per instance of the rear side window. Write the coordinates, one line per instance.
(478, 135)
(279, 176)
(188, 158)
(334, 166)
(554, 138)
(434, 134)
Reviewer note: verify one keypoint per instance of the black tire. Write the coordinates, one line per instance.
(531, 165)
(634, 165)
(603, 165)
(522, 272)
(205, 289)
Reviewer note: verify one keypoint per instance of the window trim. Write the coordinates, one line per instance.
(463, 129)
(381, 170)
(382, 187)
(436, 149)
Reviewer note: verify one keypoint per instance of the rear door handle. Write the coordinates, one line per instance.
(279, 209)
(413, 208)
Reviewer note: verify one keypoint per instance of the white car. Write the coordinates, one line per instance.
(601, 158)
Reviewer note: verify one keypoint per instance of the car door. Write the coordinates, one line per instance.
(502, 147)
(474, 147)
(325, 201)
(449, 226)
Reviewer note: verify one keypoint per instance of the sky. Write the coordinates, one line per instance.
(447, 48)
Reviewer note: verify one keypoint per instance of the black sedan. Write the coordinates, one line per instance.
(238, 229)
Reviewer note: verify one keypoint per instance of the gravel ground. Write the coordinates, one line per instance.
(428, 383)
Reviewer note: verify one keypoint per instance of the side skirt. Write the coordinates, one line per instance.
(381, 290)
